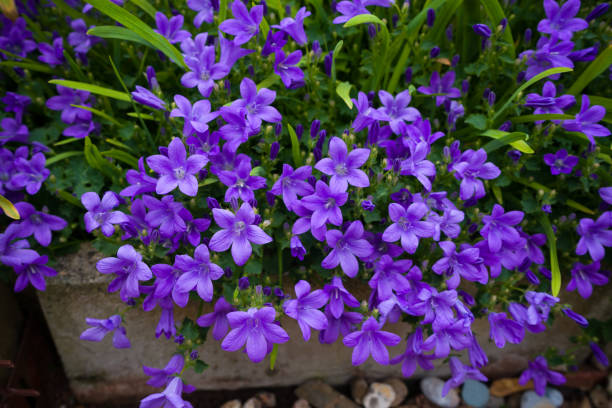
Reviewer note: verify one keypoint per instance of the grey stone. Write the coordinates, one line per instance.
(432, 389)
(530, 399)
(322, 395)
(268, 399)
(301, 403)
(380, 395)
(253, 403)
(554, 396)
(232, 404)
(495, 402)
(599, 397)
(475, 393)
(359, 388)
(401, 391)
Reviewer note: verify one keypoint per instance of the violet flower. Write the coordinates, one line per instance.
(257, 329)
(338, 297)
(586, 121)
(171, 28)
(144, 96)
(465, 264)
(342, 167)
(345, 248)
(13, 251)
(539, 306)
(407, 226)
(599, 354)
(414, 355)
(176, 170)
(469, 168)
(295, 26)
(560, 162)
(245, 24)
(198, 273)
(52, 54)
(205, 9)
(325, 204)
(482, 30)
(292, 183)
(217, 319)
(237, 231)
(520, 314)
(497, 227)
(389, 277)
(396, 110)
(286, 68)
(171, 396)
(38, 223)
(561, 20)
(16, 103)
(140, 182)
(459, 373)
(129, 270)
(33, 271)
(598, 11)
(371, 340)
(548, 102)
(203, 71)
(549, 53)
(162, 376)
(64, 101)
(539, 372)
(342, 325)
(13, 131)
(79, 40)
(304, 309)
(350, 9)
(196, 116)
(606, 194)
(594, 236)
(454, 336)
(99, 212)
(274, 41)
(240, 182)
(441, 86)
(101, 327)
(504, 329)
(16, 38)
(165, 214)
(257, 103)
(417, 164)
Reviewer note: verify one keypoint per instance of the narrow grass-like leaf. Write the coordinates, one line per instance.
(295, 147)
(555, 283)
(207, 181)
(8, 208)
(146, 7)
(519, 145)
(73, 12)
(599, 65)
(269, 81)
(273, 356)
(443, 18)
(62, 156)
(533, 118)
(133, 23)
(343, 90)
(537, 186)
(363, 19)
(278, 6)
(139, 115)
(264, 27)
(498, 194)
(541, 75)
(32, 66)
(66, 141)
(69, 198)
(505, 140)
(118, 33)
(118, 144)
(222, 10)
(337, 49)
(95, 89)
(496, 14)
(121, 156)
(99, 113)
(96, 161)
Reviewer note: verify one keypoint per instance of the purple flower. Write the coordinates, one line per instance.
(295, 26)
(338, 297)
(162, 376)
(504, 329)
(198, 272)
(30, 174)
(584, 277)
(586, 121)
(549, 53)
(292, 183)
(16, 38)
(325, 204)
(350, 9)
(441, 86)
(171, 29)
(497, 227)
(15, 253)
(240, 183)
(539, 306)
(139, 181)
(203, 72)
(345, 248)
(64, 101)
(343, 167)
(539, 372)
(274, 41)
(196, 117)
(99, 214)
(34, 272)
(598, 11)
(344, 325)
(129, 268)
(447, 337)
(560, 162)
(407, 226)
(465, 264)
(176, 169)
(171, 396)
(371, 340)
(561, 21)
(459, 373)
(548, 103)
(237, 231)
(15, 103)
(78, 39)
(368, 205)
(257, 103)
(238, 128)
(144, 96)
(304, 309)
(416, 164)
(594, 236)
(245, 24)
(447, 223)
(52, 54)
(205, 9)
(396, 110)
(38, 223)
(414, 355)
(101, 327)
(217, 319)
(431, 17)
(257, 329)
(285, 67)
(13, 131)
(606, 194)
(389, 277)
(520, 314)
(482, 30)
(599, 354)
(470, 165)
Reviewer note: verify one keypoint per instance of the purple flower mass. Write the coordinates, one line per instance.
(217, 319)
(129, 270)
(540, 374)
(304, 309)
(292, 183)
(584, 277)
(498, 227)
(171, 28)
(407, 225)
(101, 327)
(198, 273)
(37, 223)
(560, 162)
(99, 214)
(257, 103)
(238, 231)
(594, 236)
(345, 248)
(470, 167)
(371, 340)
(285, 67)
(561, 20)
(442, 86)
(294, 27)
(586, 121)
(245, 24)
(342, 167)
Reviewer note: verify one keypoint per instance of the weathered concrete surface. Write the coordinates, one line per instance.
(98, 372)
(11, 320)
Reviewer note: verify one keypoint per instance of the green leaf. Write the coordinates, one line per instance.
(505, 140)
(118, 144)
(222, 10)
(69, 198)
(146, 7)
(96, 161)
(541, 75)
(273, 356)
(555, 283)
(118, 33)
(269, 81)
(253, 267)
(73, 12)
(538, 186)
(137, 115)
(498, 194)
(519, 145)
(95, 89)
(62, 156)
(295, 147)
(337, 49)
(264, 27)
(363, 19)
(8, 208)
(99, 113)
(121, 156)
(496, 14)
(133, 23)
(477, 120)
(200, 366)
(32, 66)
(343, 90)
(533, 118)
(278, 6)
(443, 18)
(599, 65)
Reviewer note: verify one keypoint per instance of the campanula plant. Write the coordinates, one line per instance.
(256, 157)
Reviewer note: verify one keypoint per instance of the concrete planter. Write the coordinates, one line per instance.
(98, 372)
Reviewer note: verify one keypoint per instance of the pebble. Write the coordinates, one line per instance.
(475, 393)
(380, 395)
(554, 396)
(599, 397)
(532, 400)
(232, 404)
(252, 403)
(432, 388)
(268, 399)
(359, 388)
(400, 388)
(321, 395)
(508, 386)
(301, 403)
(495, 402)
